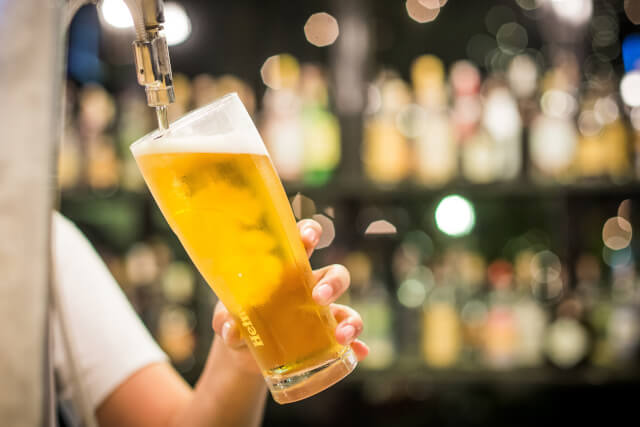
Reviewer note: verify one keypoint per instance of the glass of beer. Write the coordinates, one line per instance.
(214, 182)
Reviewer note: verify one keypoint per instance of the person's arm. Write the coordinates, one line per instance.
(231, 391)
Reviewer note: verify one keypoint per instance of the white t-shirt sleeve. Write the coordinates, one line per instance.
(107, 338)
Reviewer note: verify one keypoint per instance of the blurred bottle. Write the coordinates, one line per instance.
(175, 333)
(369, 297)
(623, 327)
(522, 75)
(386, 153)
(228, 83)
(135, 120)
(281, 126)
(567, 341)
(204, 90)
(531, 317)
(553, 136)
(103, 168)
(501, 328)
(435, 149)
(471, 267)
(502, 121)
(97, 112)
(320, 128)
(603, 148)
(441, 329)
(178, 282)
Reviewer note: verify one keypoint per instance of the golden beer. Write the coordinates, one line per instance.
(222, 197)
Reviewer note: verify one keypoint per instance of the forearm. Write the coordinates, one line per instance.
(224, 395)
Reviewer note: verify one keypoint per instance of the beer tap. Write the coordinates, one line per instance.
(150, 51)
(151, 55)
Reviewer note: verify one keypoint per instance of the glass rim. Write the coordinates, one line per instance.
(191, 116)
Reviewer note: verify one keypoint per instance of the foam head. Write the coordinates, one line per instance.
(224, 126)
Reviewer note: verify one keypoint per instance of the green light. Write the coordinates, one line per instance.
(455, 216)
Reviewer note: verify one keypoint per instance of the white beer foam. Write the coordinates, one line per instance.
(233, 143)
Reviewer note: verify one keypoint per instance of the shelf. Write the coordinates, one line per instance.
(337, 191)
(521, 376)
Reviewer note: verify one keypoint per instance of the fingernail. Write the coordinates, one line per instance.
(310, 235)
(348, 332)
(226, 330)
(322, 293)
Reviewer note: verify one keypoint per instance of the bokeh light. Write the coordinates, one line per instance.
(328, 231)
(630, 88)
(497, 16)
(177, 27)
(381, 227)
(421, 13)
(303, 207)
(501, 116)
(558, 103)
(280, 71)
(116, 13)
(528, 4)
(588, 124)
(523, 76)
(433, 4)
(632, 9)
(606, 110)
(624, 209)
(573, 11)
(616, 259)
(412, 293)
(512, 38)
(479, 46)
(455, 215)
(321, 29)
(616, 233)
(566, 342)
(545, 267)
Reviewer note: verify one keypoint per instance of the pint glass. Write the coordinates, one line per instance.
(214, 182)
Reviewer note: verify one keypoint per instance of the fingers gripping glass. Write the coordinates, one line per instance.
(214, 182)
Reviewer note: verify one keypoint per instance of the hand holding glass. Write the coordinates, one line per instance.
(214, 182)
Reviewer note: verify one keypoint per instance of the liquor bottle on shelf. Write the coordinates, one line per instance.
(135, 120)
(204, 90)
(531, 316)
(435, 148)
(478, 156)
(553, 136)
(597, 306)
(281, 127)
(386, 152)
(441, 328)
(603, 148)
(522, 75)
(369, 297)
(623, 327)
(471, 267)
(531, 323)
(320, 128)
(567, 340)
(502, 121)
(97, 112)
(500, 349)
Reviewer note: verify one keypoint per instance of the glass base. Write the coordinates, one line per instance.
(296, 386)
